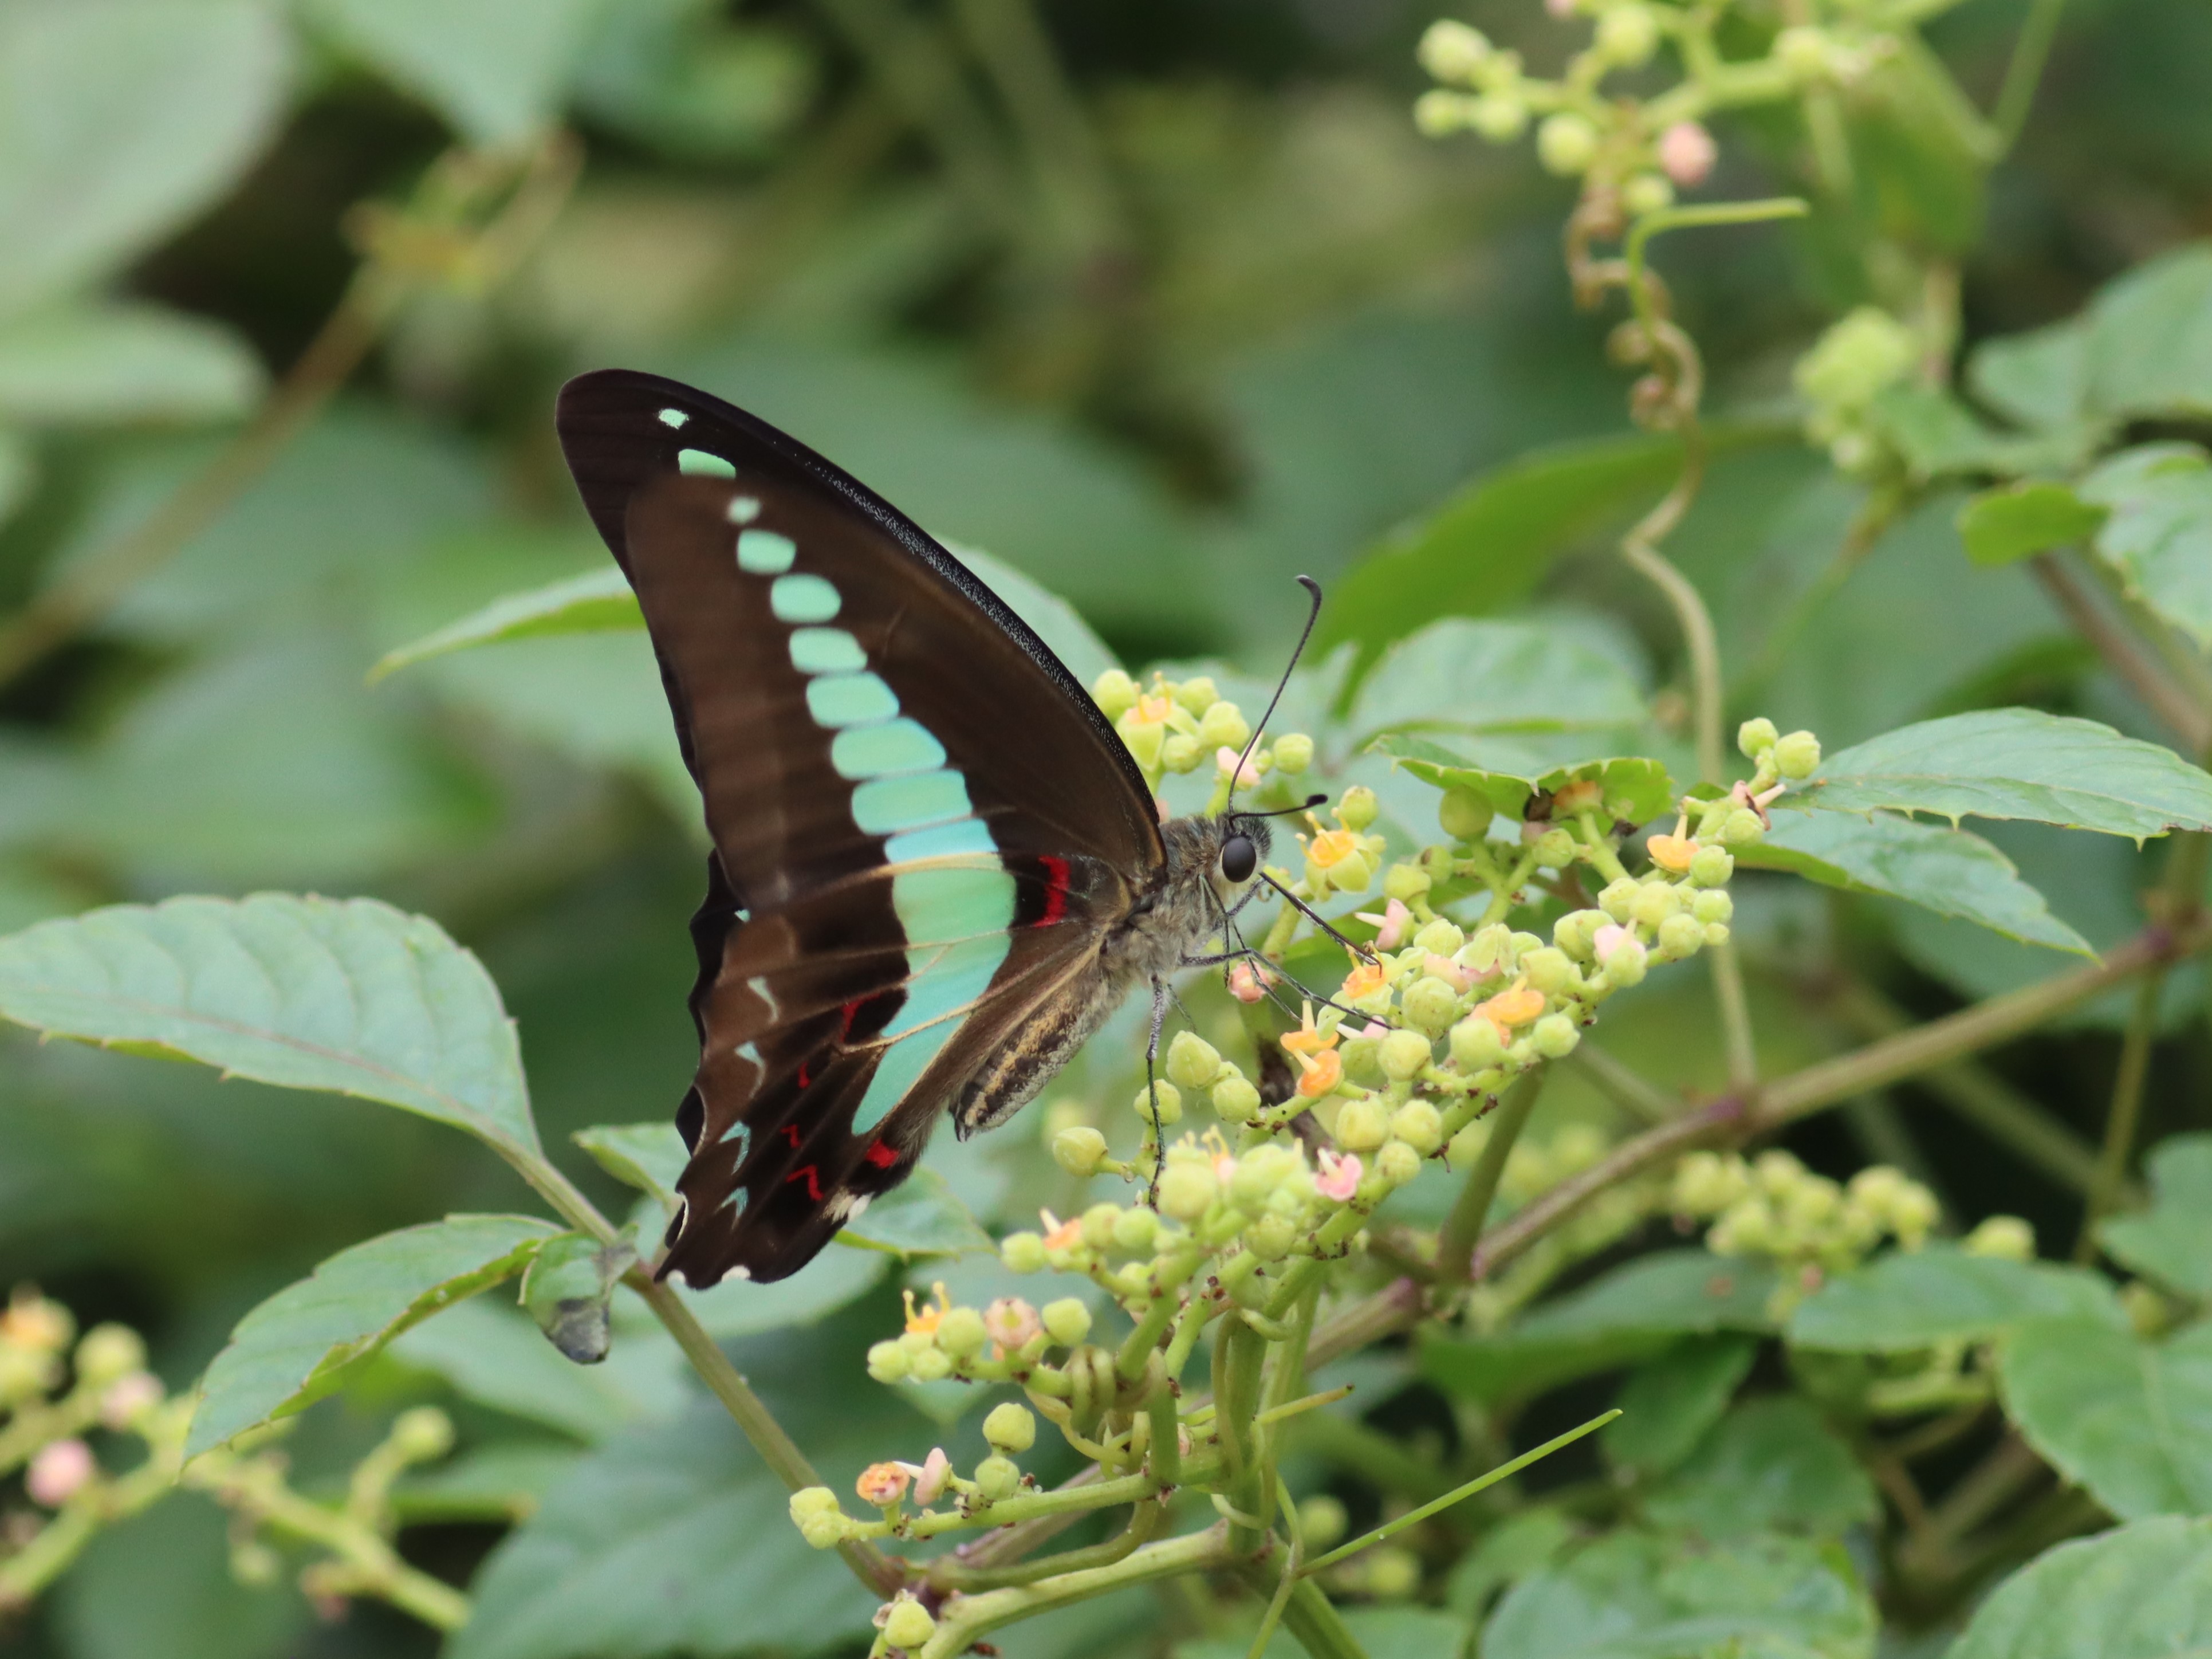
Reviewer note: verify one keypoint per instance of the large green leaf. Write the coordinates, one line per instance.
(1461, 675)
(498, 70)
(596, 602)
(1953, 873)
(1668, 1405)
(2039, 379)
(2141, 1591)
(119, 120)
(1635, 788)
(2150, 337)
(490, 1352)
(1771, 1465)
(2130, 1421)
(353, 996)
(2172, 1241)
(2000, 525)
(1637, 1594)
(1905, 1300)
(83, 363)
(294, 1347)
(2016, 764)
(2158, 536)
(1940, 437)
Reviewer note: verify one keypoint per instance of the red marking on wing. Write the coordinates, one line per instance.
(802, 1079)
(806, 1174)
(1055, 890)
(881, 1155)
(845, 1026)
(790, 1134)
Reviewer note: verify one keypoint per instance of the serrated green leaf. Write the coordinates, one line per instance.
(82, 363)
(1642, 1594)
(349, 996)
(2039, 379)
(1940, 437)
(1771, 1465)
(2127, 1419)
(596, 602)
(2000, 525)
(1953, 873)
(919, 1217)
(2158, 536)
(2150, 337)
(2016, 764)
(1463, 675)
(648, 1156)
(1902, 1300)
(2172, 1241)
(2141, 1591)
(1633, 787)
(1669, 1404)
(294, 1347)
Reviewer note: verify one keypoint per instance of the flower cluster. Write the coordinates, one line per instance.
(1859, 357)
(1178, 725)
(1773, 1208)
(887, 1488)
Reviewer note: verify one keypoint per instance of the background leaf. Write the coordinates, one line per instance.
(2000, 525)
(1465, 676)
(1771, 1465)
(1668, 1403)
(2142, 1591)
(2130, 1421)
(124, 362)
(2159, 535)
(2150, 337)
(1903, 1300)
(2172, 1241)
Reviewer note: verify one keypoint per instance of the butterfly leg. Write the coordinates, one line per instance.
(1152, 1091)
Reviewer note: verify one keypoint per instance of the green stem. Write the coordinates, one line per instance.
(1239, 1354)
(2126, 653)
(2030, 51)
(1145, 1520)
(1738, 1040)
(1319, 1627)
(1624, 1086)
(1456, 1244)
(973, 1616)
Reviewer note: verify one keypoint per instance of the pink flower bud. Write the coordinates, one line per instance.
(1010, 1321)
(1247, 774)
(1246, 983)
(882, 1483)
(1339, 1176)
(128, 1396)
(1608, 940)
(1686, 153)
(1389, 927)
(60, 1472)
(929, 1479)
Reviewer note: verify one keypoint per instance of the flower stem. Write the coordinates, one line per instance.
(1456, 1244)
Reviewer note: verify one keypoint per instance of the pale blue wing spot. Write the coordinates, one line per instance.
(803, 598)
(701, 465)
(759, 987)
(861, 699)
(673, 417)
(884, 750)
(938, 903)
(884, 806)
(735, 1201)
(764, 553)
(742, 509)
(746, 1051)
(941, 984)
(740, 1133)
(825, 651)
(945, 840)
(898, 1071)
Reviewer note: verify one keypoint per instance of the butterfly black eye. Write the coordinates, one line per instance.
(1238, 858)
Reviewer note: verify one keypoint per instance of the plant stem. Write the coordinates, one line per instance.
(2125, 654)
(1736, 1018)
(1624, 1086)
(2031, 50)
(973, 1616)
(1463, 1226)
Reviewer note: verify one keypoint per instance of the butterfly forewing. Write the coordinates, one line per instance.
(920, 824)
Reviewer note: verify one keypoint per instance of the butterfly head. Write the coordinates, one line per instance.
(1242, 843)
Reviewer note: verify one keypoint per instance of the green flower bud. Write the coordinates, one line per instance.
(1550, 970)
(1357, 807)
(1010, 1428)
(930, 1365)
(1198, 695)
(420, 1435)
(1099, 1225)
(907, 1624)
(1452, 50)
(1168, 1099)
(1476, 1044)
(1743, 829)
(1023, 1253)
(1363, 1125)
(1717, 933)
(1797, 755)
(1715, 906)
(1628, 35)
(1438, 113)
(1406, 882)
(1500, 117)
(1711, 867)
(1397, 1163)
(1858, 357)
(1187, 1188)
(1134, 1229)
(1271, 1238)
(1681, 936)
(1363, 1059)
(888, 1362)
(1802, 50)
(1566, 143)
(998, 1477)
(1078, 1150)
(1145, 738)
(1419, 1124)
(1114, 692)
(1556, 848)
(1555, 1036)
(1619, 899)
(1440, 936)
(1181, 753)
(2006, 1237)
(960, 1332)
(1465, 814)
(1575, 932)
(810, 1501)
(1624, 965)
(1292, 753)
(1351, 873)
(1655, 902)
(108, 1354)
(1647, 192)
(254, 1565)
(1755, 736)
(1404, 1053)
(1225, 727)
(1430, 1004)
(1322, 1522)
(1235, 1100)
(1391, 1574)
(1068, 1322)
(1193, 1062)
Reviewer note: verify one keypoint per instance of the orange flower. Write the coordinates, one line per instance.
(1060, 1235)
(1584, 793)
(1332, 847)
(923, 1322)
(1364, 980)
(1308, 1039)
(1514, 1007)
(1323, 1072)
(1155, 710)
(882, 1483)
(1672, 852)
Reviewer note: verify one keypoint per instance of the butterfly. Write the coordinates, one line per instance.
(935, 868)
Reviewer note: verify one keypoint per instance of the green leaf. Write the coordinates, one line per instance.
(672, 1538)
(1669, 1402)
(2016, 764)
(2039, 379)
(1771, 1465)
(736, 1308)
(294, 1347)
(121, 121)
(1489, 544)
(19, 474)
(1953, 873)
(1633, 787)
(2000, 525)
(2141, 1591)
(490, 1352)
(1403, 1632)
(919, 1217)
(649, 1156)
(2130, 1421)
(2150, 337)
(1459, 675)
(498, 71)
(1521, 1544)
(1902, 1300)
(2158, 536)
(596, 602)
(503, 1482)
(161, 1582)
(1940, 437)
(2172, 1241)
(1638, 1595)
(353, 997)
(82, 363)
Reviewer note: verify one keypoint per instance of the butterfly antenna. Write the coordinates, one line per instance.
(1313, 615)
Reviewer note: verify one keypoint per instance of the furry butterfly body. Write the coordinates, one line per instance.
(935, 869)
